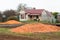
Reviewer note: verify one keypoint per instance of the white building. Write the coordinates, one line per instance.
(31, 14)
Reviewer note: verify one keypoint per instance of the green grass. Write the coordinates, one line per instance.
(6, 31)
(3, 30)
(29, 21)
(32, 21)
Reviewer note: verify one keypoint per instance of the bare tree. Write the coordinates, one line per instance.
(9, 13)
(1, 18)
(21, 7)
(0, 14)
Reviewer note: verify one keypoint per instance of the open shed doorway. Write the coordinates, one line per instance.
(33, 17)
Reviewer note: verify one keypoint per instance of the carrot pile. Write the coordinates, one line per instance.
(11, 22)
(35, 27)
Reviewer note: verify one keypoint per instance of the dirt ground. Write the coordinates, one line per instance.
(10, 37)
(39, 36)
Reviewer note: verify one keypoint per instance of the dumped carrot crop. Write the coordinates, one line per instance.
(2, 22)
(11, 22)
(35, 27)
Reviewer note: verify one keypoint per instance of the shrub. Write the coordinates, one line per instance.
(12, 18)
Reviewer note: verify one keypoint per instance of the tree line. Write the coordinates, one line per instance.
(11, 14)
(5, 15)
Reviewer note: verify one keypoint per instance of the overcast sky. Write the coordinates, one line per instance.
(8, 4)
(50, 5)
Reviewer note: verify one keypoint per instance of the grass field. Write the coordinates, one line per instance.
(42, 36)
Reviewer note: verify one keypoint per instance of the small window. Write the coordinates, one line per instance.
(22, 16)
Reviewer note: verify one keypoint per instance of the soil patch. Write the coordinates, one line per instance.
(11, 37)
